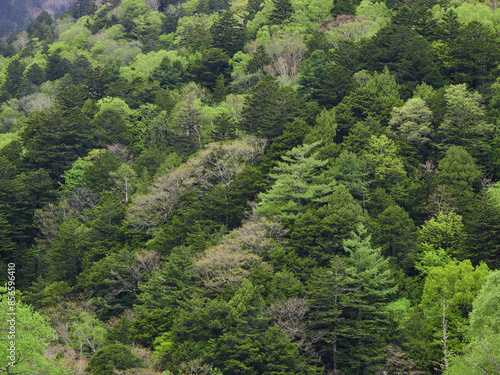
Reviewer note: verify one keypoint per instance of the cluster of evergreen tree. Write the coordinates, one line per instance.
(253, 187)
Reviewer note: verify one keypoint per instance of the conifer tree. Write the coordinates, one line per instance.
(220, 90)
(227, 33)
(298, 181)
(224, 128)
(370, 272)
(282, 11)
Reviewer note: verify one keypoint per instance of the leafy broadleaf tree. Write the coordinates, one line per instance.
(32, 338)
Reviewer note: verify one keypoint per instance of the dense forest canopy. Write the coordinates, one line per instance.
(252, 187)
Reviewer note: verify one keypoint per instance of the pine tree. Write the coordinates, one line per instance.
(269, 107)
(298, 181)
(35, 74)
(259, 60)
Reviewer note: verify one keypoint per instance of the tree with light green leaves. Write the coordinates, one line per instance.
(482, 355)
(383, 159)
(444, 231)
(26, 338)
(411, 122)
(447, 298)
(465, 120)
(298, 181)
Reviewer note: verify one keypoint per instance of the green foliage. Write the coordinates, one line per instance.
(395, 232)
(110, 357)
(298, 182)
(115, 206)
(227, 33)
(209, 66)
(464, 121)
(459, 173)
(27, 334)
(371, 274)
(269, 107)
(452, 288)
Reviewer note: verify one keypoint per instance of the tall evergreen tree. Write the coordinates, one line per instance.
(298, 181)
(282, 11)
(227, 33)
(370, 272)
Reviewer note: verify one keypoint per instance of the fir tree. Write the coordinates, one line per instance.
(220, 90)
(227, 33)
(282, 11)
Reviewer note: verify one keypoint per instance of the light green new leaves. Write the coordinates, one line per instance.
(455, 286)
(411, 122)
(32, 337)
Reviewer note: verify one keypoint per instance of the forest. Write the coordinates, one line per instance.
(251, 187)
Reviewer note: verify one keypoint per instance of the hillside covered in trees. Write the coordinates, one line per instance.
(16, 15)
(270, 187)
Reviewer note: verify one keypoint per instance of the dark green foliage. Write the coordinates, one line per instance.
(343, 7)
(13, 78)
(211, 6)
(259, 60)
(272, 354)
(406, 53)
(253, 6)
(82, 8)
(227, 33)
(395, 232)
(170, 75)
(148, 325)
(247, 185)
(80, 69)
(220, 90)
(329, 293)
(135, 93)
(371, 274)
(35, 74)
(113, 356)
(57, 66)
(282, 11)
(482, 226)
(209, 66)
(54, 140)
(324, 80)
(114, 199)
(269, 107)
(98, 173)
(418, 17)
(471, 55)
(224, 128)
(42, 27)
(334, 222)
